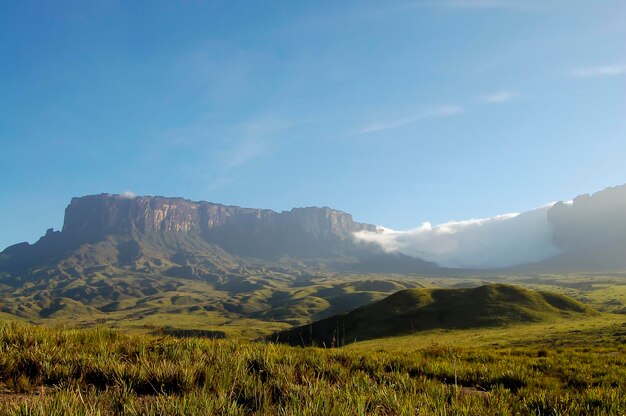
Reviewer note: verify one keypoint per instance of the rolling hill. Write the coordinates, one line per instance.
(414, 310)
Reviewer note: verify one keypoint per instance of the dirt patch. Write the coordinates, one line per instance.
(9, 396)
(474, 391)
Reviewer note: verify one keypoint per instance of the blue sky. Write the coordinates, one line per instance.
(397, 112)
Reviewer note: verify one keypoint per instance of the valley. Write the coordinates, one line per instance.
(272, 301)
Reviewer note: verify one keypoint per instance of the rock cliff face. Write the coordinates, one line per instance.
(590, 231)
(590, 220)
(113, 214)
(259, 233)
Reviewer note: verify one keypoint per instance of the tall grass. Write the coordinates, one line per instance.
(47, 371)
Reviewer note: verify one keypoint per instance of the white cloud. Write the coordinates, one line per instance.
(443, 111)
(598, 71)
(128, 195)
(220, 71)
(498, 97)
(501, 241)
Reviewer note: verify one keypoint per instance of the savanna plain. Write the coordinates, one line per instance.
(551, 364)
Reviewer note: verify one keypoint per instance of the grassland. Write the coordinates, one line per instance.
(591, 332)
(127, 365)
(56, 371)
(248, 302)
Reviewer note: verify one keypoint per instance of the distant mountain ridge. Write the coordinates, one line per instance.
(157, 234)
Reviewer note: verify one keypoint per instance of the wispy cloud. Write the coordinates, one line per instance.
(442, 111)
(255, 141)
(498, 97)
(599, 71)
(249, 141)
(515, 5)
(222, 72)
(217, 151)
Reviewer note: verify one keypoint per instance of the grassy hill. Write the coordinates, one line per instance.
(246, 302)
(414, 310)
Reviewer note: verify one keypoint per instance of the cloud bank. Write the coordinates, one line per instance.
(501, 241)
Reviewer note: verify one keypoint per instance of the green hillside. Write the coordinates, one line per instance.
(242, 301)
(414, 310)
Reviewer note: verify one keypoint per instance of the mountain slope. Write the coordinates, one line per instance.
(412, 310)
(170, 261)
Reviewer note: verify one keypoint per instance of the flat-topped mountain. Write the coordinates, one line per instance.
(586, 234)
(96, 215)
(136, 258)
(413, 310)
(590, 230)
(151, 231)
(249, 232)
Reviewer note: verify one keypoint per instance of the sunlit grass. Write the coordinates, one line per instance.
(103, 371)
(585, 330)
